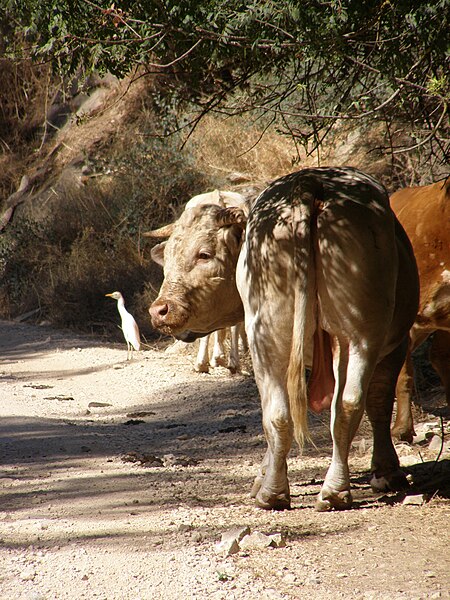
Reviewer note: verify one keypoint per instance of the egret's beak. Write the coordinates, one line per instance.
(110, 295)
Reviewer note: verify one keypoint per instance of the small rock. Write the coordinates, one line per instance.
(436, 443)
(258, 540)
(145, 460)
(361, 446)
(60, 398)
(289, 578)
(416, 500)
(227, 547)
(170, 460)
(28, 575)
(36, 596)
(278, 540)
(98, 404)
(140, 413)
(408, 461)
(237, 533)
(420, 438)
(430, 425)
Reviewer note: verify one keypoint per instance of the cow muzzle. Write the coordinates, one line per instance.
(167, 316)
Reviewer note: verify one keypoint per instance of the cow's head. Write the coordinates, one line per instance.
(199, 293)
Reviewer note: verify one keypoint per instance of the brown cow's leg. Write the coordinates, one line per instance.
(440, 359)
(386, 473)
(403, 428)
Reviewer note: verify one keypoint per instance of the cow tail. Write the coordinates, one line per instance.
(304, 276)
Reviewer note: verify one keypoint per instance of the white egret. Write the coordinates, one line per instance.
(129, 326)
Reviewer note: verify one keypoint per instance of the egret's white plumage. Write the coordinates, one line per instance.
(129, 325)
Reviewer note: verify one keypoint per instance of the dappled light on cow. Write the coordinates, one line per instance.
(424, 212)
(327, 280)
(332, 237)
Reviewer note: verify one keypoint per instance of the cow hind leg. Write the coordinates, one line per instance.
(386, 473)
(403, 428)
(234, 363)
(346, 412)
(271, 486)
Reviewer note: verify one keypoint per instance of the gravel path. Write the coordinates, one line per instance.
(119, 478)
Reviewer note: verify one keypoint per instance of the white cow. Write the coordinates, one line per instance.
(325, 271)
(203, 361)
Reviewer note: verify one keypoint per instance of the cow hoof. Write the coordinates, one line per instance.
(328, 500)
(273, 501)
(404, 435)
(218, 361)
(201, 368)
(394, 482)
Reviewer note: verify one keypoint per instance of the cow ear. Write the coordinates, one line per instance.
(157, 253)
(231, 216)
(162, 232)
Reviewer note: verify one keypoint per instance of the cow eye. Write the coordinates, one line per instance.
(204, 255)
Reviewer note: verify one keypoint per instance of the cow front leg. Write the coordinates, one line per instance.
(386, 473)
(218, 354)
(202, 360)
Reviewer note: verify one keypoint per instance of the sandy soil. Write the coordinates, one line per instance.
(79, 521)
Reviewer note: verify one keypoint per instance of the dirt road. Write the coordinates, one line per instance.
(79, 521)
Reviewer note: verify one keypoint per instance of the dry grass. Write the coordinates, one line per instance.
(25, 93)
(110, 178)
(225, 146)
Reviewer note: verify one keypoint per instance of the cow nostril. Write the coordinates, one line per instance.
(163, 310)
(159, 311)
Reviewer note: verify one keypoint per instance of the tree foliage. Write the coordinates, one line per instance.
(302, 65)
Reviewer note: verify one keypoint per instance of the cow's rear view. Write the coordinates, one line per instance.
(327, 279)
(325, 266)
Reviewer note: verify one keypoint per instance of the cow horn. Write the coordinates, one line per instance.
(162, 232)
(231, 216)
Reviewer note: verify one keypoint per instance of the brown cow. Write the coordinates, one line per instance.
(424, 213)
(325, 271)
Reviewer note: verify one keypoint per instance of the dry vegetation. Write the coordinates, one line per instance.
(101, 175)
